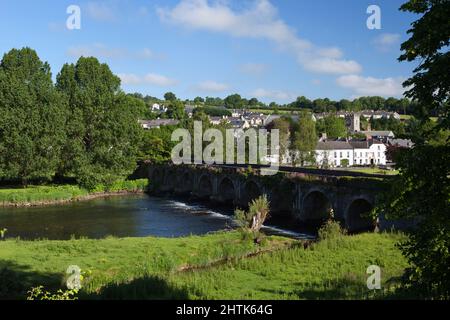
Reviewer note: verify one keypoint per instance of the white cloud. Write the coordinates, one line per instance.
(259, 21)
(100, 50)
(333, 66)
(212, 86)
(261, 93)
(254, 69)
(150, 78)
(130, 79)
(100, 11)
(386, 41)
(96, 50)
(159, 80)
(369, 86)
(146, 53)
(332, 53)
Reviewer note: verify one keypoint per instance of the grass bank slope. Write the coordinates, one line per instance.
(215, 266)
(41, 195)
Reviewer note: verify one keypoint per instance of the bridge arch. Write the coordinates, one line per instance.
(283, 196)
(205, 186)
(157, 176)
(316, 207)
(252, 190)
(185, 181)
(355, 219)
(171, 179)
(227, 190)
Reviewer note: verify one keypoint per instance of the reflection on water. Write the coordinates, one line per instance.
(127, 216)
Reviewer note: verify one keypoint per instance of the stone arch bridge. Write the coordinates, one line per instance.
(307, 197)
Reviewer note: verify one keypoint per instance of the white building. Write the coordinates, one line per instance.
(350, 153)
(158, 107)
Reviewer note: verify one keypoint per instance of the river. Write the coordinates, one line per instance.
(125, 216)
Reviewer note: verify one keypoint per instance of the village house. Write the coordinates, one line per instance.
(383, 135)
(156, 107)
(158, 123)
(342, 153)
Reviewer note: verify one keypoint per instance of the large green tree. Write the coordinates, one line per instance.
(304, 139)
(175, 110)
(333, 126)
(103, 131)
(234, 101)
(422, 190)
(283, 126)
(170, 96)
(32, 117)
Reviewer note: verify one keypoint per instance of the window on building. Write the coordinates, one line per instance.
(335, 154)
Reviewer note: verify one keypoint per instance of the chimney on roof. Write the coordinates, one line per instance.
(323, 136)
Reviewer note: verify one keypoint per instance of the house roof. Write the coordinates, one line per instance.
(378, 133)
(403, 143)
(357, 144)
(159, 122)
(333, 145)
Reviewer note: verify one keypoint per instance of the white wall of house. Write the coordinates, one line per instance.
(375, 155)
(333, 158)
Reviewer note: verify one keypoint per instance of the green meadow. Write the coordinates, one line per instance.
(222, 265)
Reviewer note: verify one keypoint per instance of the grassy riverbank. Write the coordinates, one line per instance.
(216, 266)
(36, 195)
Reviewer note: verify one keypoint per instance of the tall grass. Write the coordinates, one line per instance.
(331, 269)
(39, 194)
(117, 262)
(123, 185)
(141, 268)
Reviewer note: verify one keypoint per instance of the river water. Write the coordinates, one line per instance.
(125, 216)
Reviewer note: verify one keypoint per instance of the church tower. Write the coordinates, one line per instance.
(354, 122)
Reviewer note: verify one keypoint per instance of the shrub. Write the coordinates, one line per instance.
(252, 220)
(345, 163)
(38, 293)
(331, 230)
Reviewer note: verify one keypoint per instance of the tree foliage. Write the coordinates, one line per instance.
(32, 116)
(422, 190)
(305, 139)
(102, 127)
(333, 126)
(429, 43)
(253, 219)
(175, 110)
(283, 125)
(170, 96)
(234, 101)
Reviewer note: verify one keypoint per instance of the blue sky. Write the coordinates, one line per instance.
(274, 50)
